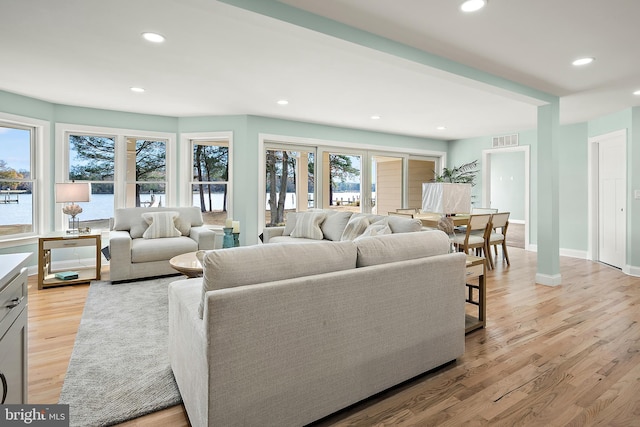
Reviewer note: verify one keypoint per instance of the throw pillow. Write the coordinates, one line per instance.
(355, 227)
(308, 225)
(290, 223)
(138, 227)
(376, 229)
(161, 224)
(183, 225)
(334, 225)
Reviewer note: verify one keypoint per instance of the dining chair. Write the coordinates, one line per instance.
(408, 210)
(405, 214)
(470, 240)
(498, 235)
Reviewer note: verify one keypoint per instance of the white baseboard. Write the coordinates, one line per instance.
(548, 280)
(516, 221)
(631, 270)
(571, 253)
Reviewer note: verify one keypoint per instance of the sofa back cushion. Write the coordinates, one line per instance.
(388, 248)
(249, 265)
(130, 219)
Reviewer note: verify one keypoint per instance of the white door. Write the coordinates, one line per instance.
(612, 201)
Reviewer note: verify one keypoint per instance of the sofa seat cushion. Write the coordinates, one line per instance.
(388, 248)
(249, 265)
(149, 250)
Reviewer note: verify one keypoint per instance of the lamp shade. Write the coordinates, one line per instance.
(446, 198)
(72, 192)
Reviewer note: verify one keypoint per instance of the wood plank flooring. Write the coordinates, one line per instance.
(550, 356)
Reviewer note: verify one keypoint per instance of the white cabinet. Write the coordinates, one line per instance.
(13, 329)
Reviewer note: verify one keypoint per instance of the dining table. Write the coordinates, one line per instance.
(430, 219)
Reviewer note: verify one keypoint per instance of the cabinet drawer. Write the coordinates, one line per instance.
(13, 299)
(475, 271)
(67, 243)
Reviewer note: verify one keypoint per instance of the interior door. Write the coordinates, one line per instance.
(612, 200)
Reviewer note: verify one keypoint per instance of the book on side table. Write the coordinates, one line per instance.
(67, 275)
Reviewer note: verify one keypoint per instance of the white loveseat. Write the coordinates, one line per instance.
(137, 251)
(325, 224)
(283, 335)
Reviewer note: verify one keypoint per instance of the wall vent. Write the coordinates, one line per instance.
(505, 141)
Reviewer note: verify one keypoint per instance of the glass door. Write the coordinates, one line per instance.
(289, 181)
(342, 181)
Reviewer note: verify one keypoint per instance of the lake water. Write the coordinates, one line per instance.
(101, 206)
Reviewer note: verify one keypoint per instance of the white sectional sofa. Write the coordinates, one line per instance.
(137, 251)
(325, 224)
(283, 335)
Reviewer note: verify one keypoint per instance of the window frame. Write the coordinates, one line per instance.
(41, 203)
(187, 141)
(63, 130)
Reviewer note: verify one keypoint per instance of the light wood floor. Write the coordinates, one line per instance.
(550, 356)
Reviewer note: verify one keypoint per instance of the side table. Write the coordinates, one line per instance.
(476, 272)
(50, 242)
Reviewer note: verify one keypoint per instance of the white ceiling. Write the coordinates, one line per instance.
(222, 60)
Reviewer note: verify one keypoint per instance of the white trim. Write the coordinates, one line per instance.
(548, 280)
(517, 221)
(573, 253)
(486, 181)
(41, 170)
(186, 164)
(631, 270)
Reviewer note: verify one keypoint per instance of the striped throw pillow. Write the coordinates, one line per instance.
(161, 224)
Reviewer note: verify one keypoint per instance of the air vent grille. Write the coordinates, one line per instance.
(505, 141)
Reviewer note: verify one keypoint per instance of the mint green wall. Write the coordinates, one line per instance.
(573, 178)
(114, 119)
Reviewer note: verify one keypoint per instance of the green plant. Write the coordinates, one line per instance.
(463, 174)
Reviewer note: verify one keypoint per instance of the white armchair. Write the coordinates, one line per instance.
(143, 240)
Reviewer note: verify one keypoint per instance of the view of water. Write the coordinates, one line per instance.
(101, 206)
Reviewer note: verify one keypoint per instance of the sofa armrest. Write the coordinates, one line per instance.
(270, 232)
(204, 237)
(120, 247)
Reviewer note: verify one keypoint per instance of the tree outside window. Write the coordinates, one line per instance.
(210, 185)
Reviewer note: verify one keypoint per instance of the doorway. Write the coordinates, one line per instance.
(608, 192)
(505, 184)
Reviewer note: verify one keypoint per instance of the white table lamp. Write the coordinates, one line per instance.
(71, 193)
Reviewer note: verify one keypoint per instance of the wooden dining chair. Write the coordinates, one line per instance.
(405, 214)
(408, 210)
(470, 240)
(498, 235)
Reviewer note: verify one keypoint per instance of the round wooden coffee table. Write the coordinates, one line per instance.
(187, 264)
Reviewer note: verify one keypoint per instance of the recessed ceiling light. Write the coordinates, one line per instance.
(153, 37)
(375, 117)
(637, 92)
(441, 128)
(473, 5)
(137, 89)
(283, 102)
(583, 61)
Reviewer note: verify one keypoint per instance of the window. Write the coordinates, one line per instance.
(17, 213)
(125, 169)
(290, 182)
(92, 159)
(210, 179)
(146, 172)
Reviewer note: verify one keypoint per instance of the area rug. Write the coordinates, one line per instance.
(119, 368)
